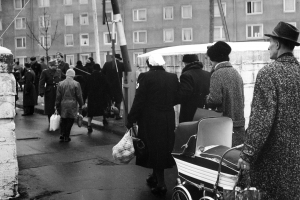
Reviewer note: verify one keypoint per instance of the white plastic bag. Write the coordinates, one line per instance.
(54, 122)
(124, 150)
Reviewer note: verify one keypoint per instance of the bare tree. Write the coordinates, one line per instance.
(45, 37)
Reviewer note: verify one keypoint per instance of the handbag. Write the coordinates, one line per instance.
(123, 152)
(139, 145)
(79, 120)
(203, 113)
(54, 121)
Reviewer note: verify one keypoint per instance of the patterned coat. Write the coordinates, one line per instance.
(227, 94)
(153, 111)
(48, 86)
(272, 146)
(68, 96)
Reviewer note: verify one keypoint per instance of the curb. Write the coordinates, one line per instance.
(118, 130)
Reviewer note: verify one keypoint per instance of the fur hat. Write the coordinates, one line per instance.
(189, 58)
(118, 56)
(33, 58)
(70, 73)
(219, 52)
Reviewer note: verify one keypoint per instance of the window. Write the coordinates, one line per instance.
(69, 41)
(187, 34)
(289, 6)
(44, 3)
(84, 57)
(45, 21)
(20, 42)
(20, 23)
(45, 41)
(19, 4)
(68, 19)
(84, 19)
(254, 7)
(139, 15)
(217, 10)
(293, 23)
(135, 57)
(140, 37)
(67, 2)
(219, 33)
(21, 60)
(254, 31)
(84, 40)
(107, 40)
(168, 13)
(0, 24)
(168, 35)
(186, 12)
(70, 59)
(83, 1)
(109, 16)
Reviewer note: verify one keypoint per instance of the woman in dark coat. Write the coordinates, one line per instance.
(96, 94)
(153, 111)
(81, 74)
(29, 93)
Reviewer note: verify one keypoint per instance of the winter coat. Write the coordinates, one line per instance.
(50, 78)
(114, 79)
(81, 76)
(96, 92)
(193, 87)
(90, 67)
(29, 92)
(68, 97)
(37, 68)
(272, 145)
(153, 111)
(63, 66)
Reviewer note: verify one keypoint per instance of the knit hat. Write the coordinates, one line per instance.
(219, 52)
(156, 60)
(189, 58)
(70, 73)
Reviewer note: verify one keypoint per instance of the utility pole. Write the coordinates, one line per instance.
(211, 21)
(223, 21)
(96, 33)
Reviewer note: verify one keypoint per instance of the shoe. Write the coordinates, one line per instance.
(90, 129)
(61, 137)
(67, 139)
(151, 180)
(105, 122)
(160, 191)
(119, 117)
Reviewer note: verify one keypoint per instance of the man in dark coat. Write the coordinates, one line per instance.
(29, 93)
(48, 86)
(153, 110)
(114, 76)
(43, 64)
(37, 68)
(272, 146)
(194, 86)
(89, 65)
(63, 66)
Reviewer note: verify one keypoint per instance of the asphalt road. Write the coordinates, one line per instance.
(80, 170)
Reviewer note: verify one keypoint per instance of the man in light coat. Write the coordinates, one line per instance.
(68, 96)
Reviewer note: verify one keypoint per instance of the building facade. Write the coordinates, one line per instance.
(148, 24)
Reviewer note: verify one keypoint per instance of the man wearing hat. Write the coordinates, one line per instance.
(194, 86)
(37, 68)
(48, 86)
(114, 76)
(272, 146)
(68, 97)
(63, 66)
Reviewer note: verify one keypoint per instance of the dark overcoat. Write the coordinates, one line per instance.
(29, 92)
(96, 92)
(114, 79)
(193, 87)
(81, 75)
(153, 111)
(63, 66)
(48, 86)
(272, 145)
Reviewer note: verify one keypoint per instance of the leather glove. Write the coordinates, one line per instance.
(129, 125)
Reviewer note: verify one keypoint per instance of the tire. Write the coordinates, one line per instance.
(179, 194)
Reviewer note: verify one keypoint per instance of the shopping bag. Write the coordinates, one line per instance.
(79, 120)
(138, 144)
(54, 122)
(124, 150)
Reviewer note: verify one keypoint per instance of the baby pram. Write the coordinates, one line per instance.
(206, 164)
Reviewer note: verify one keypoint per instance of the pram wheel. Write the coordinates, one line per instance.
(180, 194)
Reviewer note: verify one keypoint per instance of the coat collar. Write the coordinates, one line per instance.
(194, 65)
(154, 68)
(224, 64)
(287, 57)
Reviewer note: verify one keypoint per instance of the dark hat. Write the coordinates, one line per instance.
(118, 56)
(53, 62)
(60, 54)
(96, 67)
(27, 65)
(189, 58)
(219, 52)
(79, 62)
(33, 58)
(91, 59)
(285, 31)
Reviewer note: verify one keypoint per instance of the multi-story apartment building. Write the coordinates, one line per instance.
(148, 24)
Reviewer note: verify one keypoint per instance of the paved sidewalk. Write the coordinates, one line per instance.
(115, 126)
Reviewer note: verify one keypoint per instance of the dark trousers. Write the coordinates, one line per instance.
(28, 110)
(66, 126)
